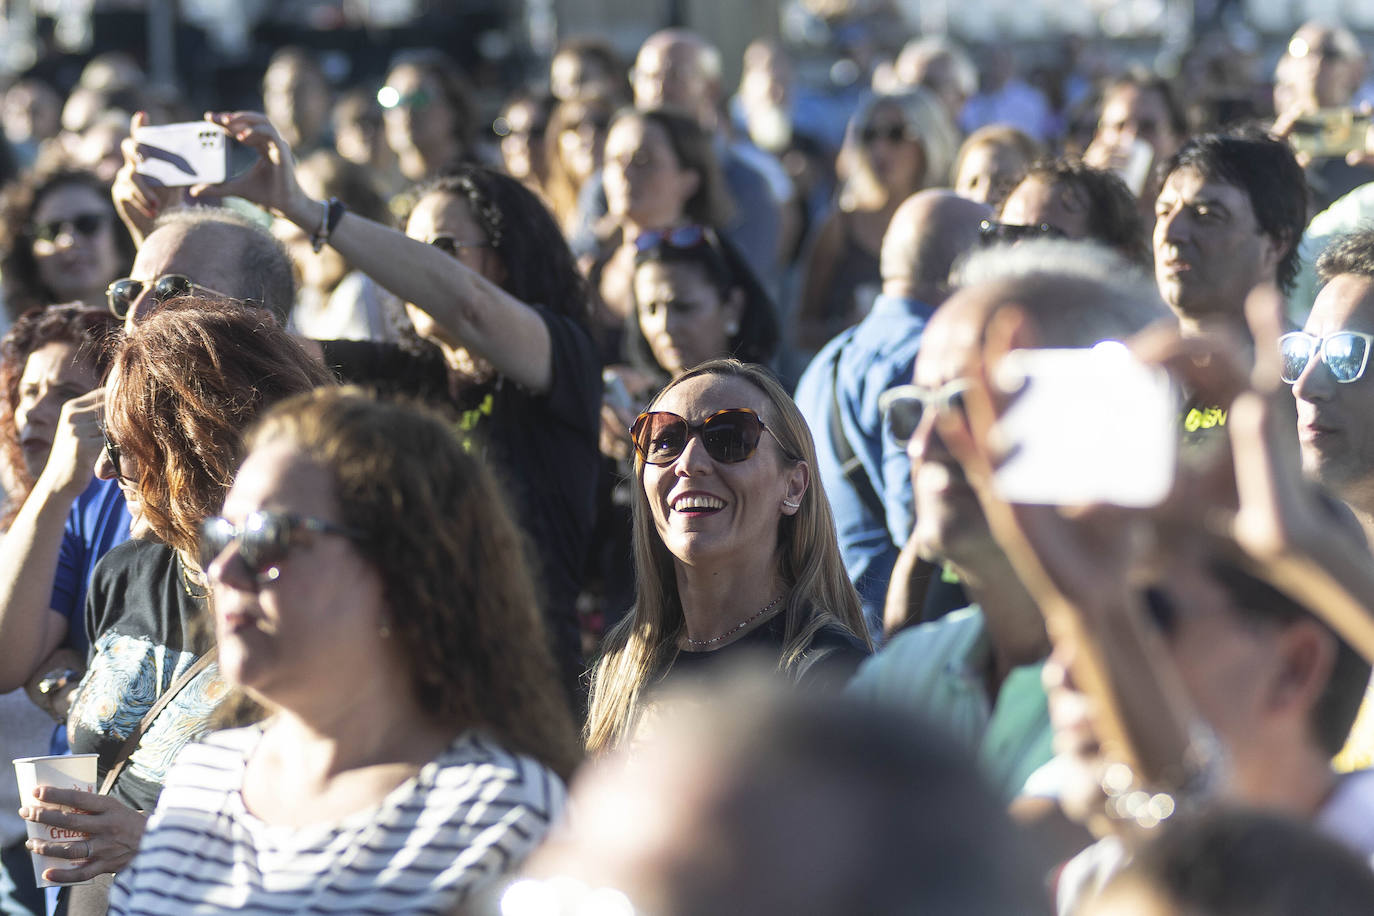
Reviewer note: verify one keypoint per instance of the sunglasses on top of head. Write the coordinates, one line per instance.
(1346, 353)
(122, 294)
(264, 541)
(905, 405)
(682, 237)
(729, 436)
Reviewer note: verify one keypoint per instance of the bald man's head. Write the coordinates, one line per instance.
(928, 233)
(680, 69)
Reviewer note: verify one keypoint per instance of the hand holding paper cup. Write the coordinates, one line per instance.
(78, 772)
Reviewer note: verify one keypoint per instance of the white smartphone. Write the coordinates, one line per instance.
(1085, 426)
(193, 152)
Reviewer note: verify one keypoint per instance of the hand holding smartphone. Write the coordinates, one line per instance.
(1085, 426)
(190, 153)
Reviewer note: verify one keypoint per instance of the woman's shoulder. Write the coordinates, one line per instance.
(831, 657)
(476, 764)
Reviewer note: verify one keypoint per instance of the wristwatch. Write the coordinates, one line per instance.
(56, 679)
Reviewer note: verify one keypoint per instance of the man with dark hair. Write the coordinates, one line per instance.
(1228, 219)
(1138, 105)
(1326, 363)
(1068, 199)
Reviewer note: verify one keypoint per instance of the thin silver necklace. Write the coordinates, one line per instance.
(702, 643)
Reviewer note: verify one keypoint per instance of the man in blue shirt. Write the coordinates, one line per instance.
(838, 393)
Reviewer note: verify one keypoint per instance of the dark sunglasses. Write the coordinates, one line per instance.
(451, 246)
(1345, 353)
(906, 405)
(112, 453)
(390, 98)
(264, 541)
(682, 237)
(893, 133)
(122, 294)
(87, 224)
(730, 436)
(991, 232)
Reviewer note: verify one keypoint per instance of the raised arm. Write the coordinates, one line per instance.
(30, 630)
(465, 309)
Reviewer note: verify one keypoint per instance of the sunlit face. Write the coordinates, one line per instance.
(53, 375)
(422, 120)
(893, 152)
(683, 315)
(440, 215)
(576, 77)
(1034, 202)
(669, 73)
(74, 265)
(296, 101)
(708, 512)
(581, 144)
(522, 148)
(644, 179)
(1131, 113)
(1335, 419)
(1210, 250)
(950, 524)
(988, 173)
(315, 629)
(128, 473)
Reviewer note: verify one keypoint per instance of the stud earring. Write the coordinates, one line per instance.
(732, 328)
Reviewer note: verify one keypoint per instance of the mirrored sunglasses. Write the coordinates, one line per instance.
(729, 436)
(1345, 353)
(905, 405)
(264, 541)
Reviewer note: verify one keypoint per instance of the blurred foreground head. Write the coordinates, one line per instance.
(750, 800)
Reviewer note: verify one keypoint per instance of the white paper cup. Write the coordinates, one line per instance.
(74, 771)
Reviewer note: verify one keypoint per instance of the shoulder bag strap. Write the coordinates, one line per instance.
(126, 749)
(850, 465)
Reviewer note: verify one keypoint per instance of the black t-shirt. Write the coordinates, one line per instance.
(145, 631)
(542, 447)
(829, 661)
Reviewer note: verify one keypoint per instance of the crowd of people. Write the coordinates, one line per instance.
(625, 508)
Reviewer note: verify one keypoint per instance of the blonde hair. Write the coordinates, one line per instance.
(819, 592)
(927, 123)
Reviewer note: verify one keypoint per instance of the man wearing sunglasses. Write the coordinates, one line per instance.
(866, 473)
(1327, 364)
(977, 669)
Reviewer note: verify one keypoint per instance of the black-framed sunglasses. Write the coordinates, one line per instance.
(264, 540)
(122, 294)
(85, 224)
(905, 405)
(991, 232)
(892, 133)
(451, 246)
(112, 453)
(729, 436)
(1346, 353)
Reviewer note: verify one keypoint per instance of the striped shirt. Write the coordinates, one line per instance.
(465, 819)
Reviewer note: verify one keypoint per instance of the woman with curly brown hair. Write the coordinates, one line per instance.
(61, 240)
(365, 556)
(182, 387)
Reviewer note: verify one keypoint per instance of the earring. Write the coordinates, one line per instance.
(732, 328)
(384, 631)
(791, 505)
